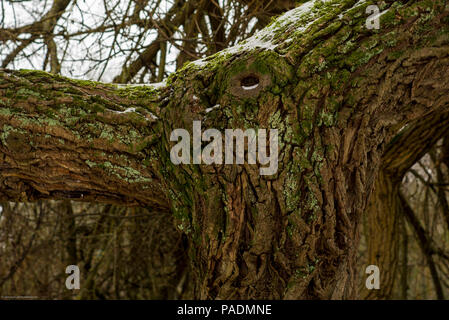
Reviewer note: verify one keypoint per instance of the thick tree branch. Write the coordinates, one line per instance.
(81, 140)
(336, 92)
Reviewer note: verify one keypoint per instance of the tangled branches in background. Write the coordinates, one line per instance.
(134, 41)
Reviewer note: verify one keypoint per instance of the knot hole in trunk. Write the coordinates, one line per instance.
(249, 84)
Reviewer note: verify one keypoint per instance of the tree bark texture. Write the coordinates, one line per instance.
(336, 92)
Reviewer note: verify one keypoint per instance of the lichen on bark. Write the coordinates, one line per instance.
(335, 91)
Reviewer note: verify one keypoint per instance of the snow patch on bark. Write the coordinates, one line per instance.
(212, 108)
(156, 85)
(126, 111)
(264, 39)
(297, 13)
(132, 109)
(380, 14)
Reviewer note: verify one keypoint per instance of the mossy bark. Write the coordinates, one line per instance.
(81, 140)
(337, 93)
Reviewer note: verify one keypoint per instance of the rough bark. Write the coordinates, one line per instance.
(66, 139)
(336, 91)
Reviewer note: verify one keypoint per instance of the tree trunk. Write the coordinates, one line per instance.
(335, 91)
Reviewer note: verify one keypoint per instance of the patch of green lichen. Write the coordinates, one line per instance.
(179, 189)
(138, 93)
(291, 191)
(211, 63)
(5, 111)
(37, 73)
(24, 93)
(42, 75)
(128, 174)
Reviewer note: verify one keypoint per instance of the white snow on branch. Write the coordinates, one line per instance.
(200, 63)
(132, 109)
(212, 108)
(155, 85)
(296, 14)
(380, 14)
(264, 38)
(126, 111)
(153, 116)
